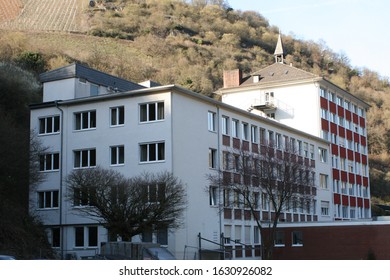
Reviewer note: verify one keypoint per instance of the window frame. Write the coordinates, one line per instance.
(54, 162)
(79, 121)
(55, 125)
(119, 112)
(157, 113)
(45, 197)
(118, 149)
(157, 148)
(211, 121)
(81, 159)
(297, 238)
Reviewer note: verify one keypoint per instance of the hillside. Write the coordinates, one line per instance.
(171, 41)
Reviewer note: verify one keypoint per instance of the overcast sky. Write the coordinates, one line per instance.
(358, 28)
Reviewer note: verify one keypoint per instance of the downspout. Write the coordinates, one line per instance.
(61, 180)
(220, 193)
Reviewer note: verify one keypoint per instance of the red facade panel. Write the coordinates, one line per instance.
(349, 134)
(350, 154)
(352, 201)
(336, 174)
(363, 140)
(337, 199)
(332, 107)
(333, 128)
(343, 152)
(344, 200)
(366, 203)
(358, 179)
(351, 178)
(335, 149)
(324, 103)
(340, 111)
(357, 157)
(364, 159)
(348, 115)
(325, 124)
(342, 131)
(365, 181)
(362, 122)
(360, 202)
(344, 176)
(355, 118)
(356, 137)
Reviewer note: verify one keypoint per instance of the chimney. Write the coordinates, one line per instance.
(232, 78)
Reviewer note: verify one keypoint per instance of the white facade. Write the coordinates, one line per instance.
(80, 133)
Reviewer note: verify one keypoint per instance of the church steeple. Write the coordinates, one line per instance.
(279, 52)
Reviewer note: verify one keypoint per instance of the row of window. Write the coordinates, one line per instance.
(350, 188)
(256, 135)
(260, 201)
(351, 166)
(348, 105)
(149, 152)
(343, 122)
(344, 142)
(349, 212)
(148, 112)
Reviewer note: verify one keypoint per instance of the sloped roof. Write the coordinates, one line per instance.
(76, 70)
(278, 72)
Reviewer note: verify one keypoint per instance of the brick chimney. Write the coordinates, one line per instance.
(232, 78)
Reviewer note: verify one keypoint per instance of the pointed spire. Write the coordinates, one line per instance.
(279, 52)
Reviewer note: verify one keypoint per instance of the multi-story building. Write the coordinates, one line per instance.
(89, 118)
(312, 104)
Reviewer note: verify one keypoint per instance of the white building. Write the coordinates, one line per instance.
(89, 118)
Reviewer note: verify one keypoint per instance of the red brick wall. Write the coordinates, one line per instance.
(337, 243)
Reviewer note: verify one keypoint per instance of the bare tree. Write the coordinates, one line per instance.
(128, 206)
(279, 178)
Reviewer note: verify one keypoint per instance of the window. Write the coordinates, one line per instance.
(332, 117)
(90, 233)
(256, 235)
(343, 164)
(84, 158)
(323, 92)
(332, 96)
(48, 199)
(85, 120)
(262, 136)
(49, 162)
(212, 158)
(341, 121)
(346, 105)
(211, 121)
(324, 114)
(117, 155)
(83, 196)
(117, 116)
(271, 139)
(226, 198)
(226, 160)
(323, 181)
(55, 239)
(300, 148)
(311, 151)
(339, 101)
(279, 239)
(325, 208)
(245, 131)
(227, 233)
(279, 143)
(297, 238)
(150, 112)
(235, 128)
(152, 152)
(254, 134)
(323, 153)
(306, 149)
(79, 237)
(213, 195)
(155, 193)
(48, 125)
(225, 125)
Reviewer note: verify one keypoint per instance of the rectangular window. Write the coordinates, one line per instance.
(297, 238)
(306, 149)
(311, 151)
(279, 143)
(49, 162)
(84, 158)
(212, 158)
(152, 152)
(323, 154)
(85, 120)
(211, 121)
(325, 208)
(92, 236)
(226, 198)
(235, 128)
(323, 181)
(48, 199)
(323, 92)
(279, 239)
(254, 134)
(55, 237)
(324, 114)
(346, 105)
(93, 90)
(79, 237)
(300, 148)
(225, 125)
(263, 138)
(332, 97)
(117, 155)
(213, 194)
(150, 112)
(117, 116)
(271, 140)
(245, 131)
(49, 125)
(339, 101)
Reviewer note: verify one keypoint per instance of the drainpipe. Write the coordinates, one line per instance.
(61, 180)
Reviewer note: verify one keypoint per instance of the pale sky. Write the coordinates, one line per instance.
(357, 28)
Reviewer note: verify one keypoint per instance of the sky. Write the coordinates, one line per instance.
(356, 28)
